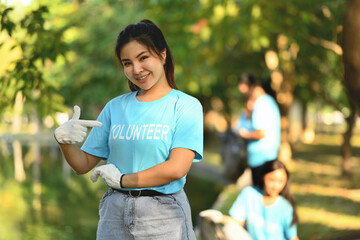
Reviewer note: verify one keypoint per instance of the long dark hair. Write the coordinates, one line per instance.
(249, 80)
(270, 166)
(148, 34)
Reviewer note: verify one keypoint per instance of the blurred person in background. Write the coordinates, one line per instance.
(149, 139)
(266, 212)
(262, 125)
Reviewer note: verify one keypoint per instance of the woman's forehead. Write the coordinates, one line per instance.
(277, 173)
(132, 48)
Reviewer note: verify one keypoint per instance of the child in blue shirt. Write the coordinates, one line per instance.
(268, 212)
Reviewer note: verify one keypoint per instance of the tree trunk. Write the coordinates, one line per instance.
(285, 152)
(351, 46)
(36, 168)
(346, 145)
(282, 83)
(284, 98)
(17, 149)
(351, 59)
(18, 162)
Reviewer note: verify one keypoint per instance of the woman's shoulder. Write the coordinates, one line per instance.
(251, 190)
(266, 100)
(124, 97)
(184, 98)
(117, 102)
(284, 204)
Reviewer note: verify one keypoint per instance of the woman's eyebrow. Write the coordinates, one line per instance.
(141, 54)
(125, 59)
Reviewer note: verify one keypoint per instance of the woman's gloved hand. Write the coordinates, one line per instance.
(109, 173)
(74, 130)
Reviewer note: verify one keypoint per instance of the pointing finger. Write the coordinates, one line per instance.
(89, 123)
(76, 115)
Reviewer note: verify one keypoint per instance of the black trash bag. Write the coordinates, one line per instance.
(210, 230)
(211, 227)
(233, 151)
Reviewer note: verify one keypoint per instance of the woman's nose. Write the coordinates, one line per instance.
(137, 68)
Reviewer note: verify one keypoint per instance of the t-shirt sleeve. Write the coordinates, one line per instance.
(189, 128)
(290, 230)
(238, 209)
(241, 122)
(97, 142)
(265, 114)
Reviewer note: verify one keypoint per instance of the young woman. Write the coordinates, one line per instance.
(268, 212)
(149, 138)
(264, 135)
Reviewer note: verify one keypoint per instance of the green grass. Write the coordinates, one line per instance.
(328, 203)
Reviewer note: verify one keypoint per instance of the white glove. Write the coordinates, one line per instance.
(215, 215)
(74, 130)
(109, 173)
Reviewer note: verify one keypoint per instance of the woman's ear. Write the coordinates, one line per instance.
(163, 55)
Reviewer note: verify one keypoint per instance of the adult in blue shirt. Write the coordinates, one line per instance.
(149, 138)
(264, 135)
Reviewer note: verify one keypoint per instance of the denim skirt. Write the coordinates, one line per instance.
(157, 217)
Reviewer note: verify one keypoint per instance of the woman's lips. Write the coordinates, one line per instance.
(142, 79)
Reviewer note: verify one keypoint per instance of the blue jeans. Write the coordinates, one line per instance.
(159, 217)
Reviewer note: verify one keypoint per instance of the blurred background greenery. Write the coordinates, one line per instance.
(55, 54)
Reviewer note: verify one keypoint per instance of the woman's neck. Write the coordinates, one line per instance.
(257, 92)
(153, 93)
(269, 200)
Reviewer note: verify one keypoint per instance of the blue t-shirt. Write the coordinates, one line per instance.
(264, 222)
(265, 116)
(244, 122)
(138, 135)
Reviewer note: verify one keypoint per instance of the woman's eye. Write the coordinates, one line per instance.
(143, 57)
(126, 64)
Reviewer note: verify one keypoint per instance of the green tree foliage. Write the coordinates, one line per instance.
(307, 54)
(91, 75)
(35, 44)
(213, 42)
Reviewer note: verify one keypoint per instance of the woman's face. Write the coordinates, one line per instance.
(243, 88)
(143, 68)
(275, 182)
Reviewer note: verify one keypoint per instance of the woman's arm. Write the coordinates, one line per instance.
(80, 161)
(72, 132)
(255, 135)
(295, 238)
(176, 167)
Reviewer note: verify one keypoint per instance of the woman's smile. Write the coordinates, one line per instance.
(143, 78)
